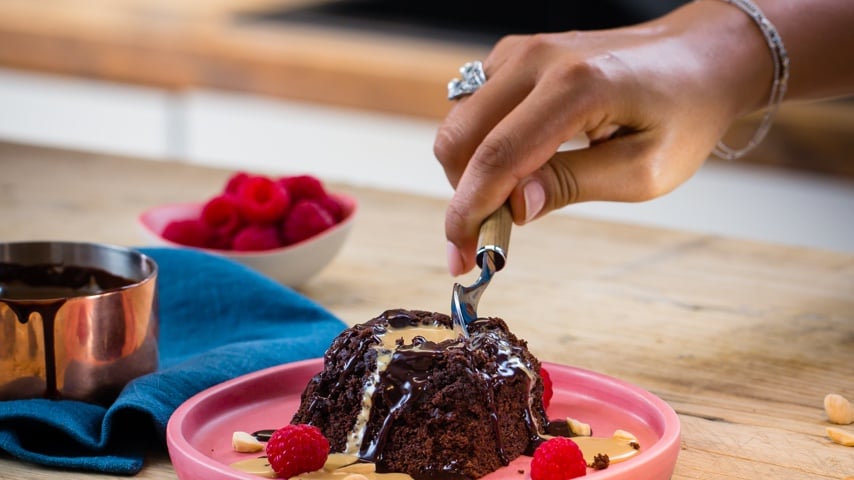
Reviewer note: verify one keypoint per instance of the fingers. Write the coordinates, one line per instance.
(473, 116)
(646, 136)
(495, 169)
(626, 169)
(511, 150)
(630, 168)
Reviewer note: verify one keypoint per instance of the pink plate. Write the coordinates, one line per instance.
(199, 432)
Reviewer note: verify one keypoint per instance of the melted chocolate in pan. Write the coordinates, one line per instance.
(43, 290)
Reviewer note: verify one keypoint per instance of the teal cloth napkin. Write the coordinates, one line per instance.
(218, 320)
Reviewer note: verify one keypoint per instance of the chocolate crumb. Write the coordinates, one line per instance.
(263, 435)
(600, 461)
(559, 428)
(635, 445)
(520, 471)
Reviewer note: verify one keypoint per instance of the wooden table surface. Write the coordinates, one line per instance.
(742, 339)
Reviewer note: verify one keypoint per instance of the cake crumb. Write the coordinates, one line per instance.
(635, 445)
(600, 461)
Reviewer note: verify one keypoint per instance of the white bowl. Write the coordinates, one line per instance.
(291, 265)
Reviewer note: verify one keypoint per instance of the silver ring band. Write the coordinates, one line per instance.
(473, 78)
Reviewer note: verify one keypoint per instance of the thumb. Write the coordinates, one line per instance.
(624, 169)
(545, 190)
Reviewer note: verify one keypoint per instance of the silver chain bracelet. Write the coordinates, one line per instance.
(778, 88)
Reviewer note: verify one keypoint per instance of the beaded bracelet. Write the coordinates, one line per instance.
(778, 88)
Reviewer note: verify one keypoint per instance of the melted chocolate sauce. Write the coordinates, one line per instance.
(43, 290)
(263, 435)
(400, 319)
(409, 371)
(403, 382)
(51, 281)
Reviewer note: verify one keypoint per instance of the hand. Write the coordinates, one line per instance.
(653, 100)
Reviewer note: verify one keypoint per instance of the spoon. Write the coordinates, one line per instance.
(493, 244)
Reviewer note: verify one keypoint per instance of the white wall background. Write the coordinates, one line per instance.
(249, 132)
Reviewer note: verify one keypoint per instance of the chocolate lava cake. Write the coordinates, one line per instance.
(409, 393)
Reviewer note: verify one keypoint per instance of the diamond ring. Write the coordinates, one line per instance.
(473, 78)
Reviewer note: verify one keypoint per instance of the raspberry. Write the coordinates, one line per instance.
(220, 242)
(221, 214)
(303, 187)
(261, 200)
(559, 458)
(548, 389)
(192, 232)
(296, 449)
(262, 203)
(256, 237)
(232, 185)
(306, 219)
(333, 207)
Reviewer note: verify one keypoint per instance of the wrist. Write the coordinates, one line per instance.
(736, 64)
(780, 79)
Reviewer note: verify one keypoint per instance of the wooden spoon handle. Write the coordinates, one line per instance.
(495, 237)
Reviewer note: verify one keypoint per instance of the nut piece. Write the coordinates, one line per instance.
(838, 409)
(578, 427)
(355, 476)
(624, 435)
(840, 436)
(245, 443)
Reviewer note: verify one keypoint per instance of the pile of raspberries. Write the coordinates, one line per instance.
(257, 212)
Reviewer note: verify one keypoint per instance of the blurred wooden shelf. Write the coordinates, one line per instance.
(194, 43)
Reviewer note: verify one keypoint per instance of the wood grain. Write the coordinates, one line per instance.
(743, 339)
(495, 236)
(203, 44)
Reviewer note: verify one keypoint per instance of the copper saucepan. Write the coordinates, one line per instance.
(77, 320)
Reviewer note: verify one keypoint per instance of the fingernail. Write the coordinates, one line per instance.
(455, 260)
(535, 199)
